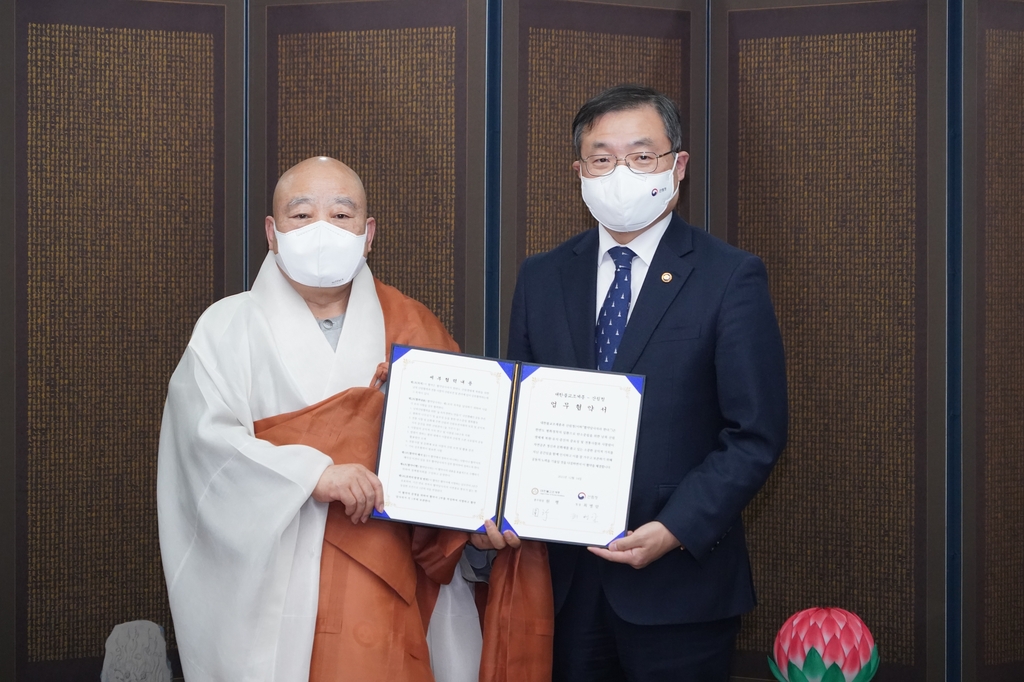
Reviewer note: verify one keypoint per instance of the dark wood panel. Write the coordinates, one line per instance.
(121, 240)
(994, 398)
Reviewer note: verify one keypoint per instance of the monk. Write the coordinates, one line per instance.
(275, 570)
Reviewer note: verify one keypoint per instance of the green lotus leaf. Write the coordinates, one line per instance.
(795, 674)
(814, 667)
(775, 670)
(834, 674)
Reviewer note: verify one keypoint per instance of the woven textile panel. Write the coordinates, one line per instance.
(1002, 400)
(827, 194)
(119, 254)
(383, 101)
(565, 69)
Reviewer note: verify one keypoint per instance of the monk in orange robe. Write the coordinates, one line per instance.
(265, 486)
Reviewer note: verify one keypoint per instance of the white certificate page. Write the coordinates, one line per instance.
(573, 444)
(443, 438)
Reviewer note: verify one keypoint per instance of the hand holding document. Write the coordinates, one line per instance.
(544, 451)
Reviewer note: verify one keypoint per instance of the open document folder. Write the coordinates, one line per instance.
(544, 451)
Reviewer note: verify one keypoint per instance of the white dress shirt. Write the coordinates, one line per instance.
(643, 246)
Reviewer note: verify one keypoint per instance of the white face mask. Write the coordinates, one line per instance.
(320, 254)
(626, 202)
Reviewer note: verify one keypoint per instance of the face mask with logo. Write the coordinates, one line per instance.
(624, 201)
(320, 254)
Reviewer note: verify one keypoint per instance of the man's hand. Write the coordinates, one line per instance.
(647, 543)
(494, 539)
(355, 486)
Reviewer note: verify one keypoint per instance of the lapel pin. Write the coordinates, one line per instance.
(666, 277)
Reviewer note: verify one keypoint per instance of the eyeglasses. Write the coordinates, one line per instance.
(640, 163)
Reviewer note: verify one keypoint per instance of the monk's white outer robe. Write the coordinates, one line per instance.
(240, 535)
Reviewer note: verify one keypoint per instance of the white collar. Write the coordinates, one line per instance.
(643, 245)
(319, 371)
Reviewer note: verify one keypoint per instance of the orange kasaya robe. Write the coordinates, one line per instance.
(379, 581)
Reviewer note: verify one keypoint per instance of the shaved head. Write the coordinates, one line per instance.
(317, 173)
(320, 188)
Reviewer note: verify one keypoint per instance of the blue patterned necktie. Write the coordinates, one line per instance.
(611, 322)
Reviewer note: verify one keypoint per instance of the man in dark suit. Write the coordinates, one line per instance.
(664, 602)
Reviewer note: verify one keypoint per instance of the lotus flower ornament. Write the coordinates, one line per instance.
(824, 645)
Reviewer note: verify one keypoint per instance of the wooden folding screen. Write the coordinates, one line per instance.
(827, 158)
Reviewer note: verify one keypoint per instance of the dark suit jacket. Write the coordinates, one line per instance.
(714, 412)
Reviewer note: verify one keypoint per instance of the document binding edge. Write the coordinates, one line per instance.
(513, 401)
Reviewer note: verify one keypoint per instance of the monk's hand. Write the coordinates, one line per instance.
(639, 548)
(381, 376)
(356, 487)
(494, 539)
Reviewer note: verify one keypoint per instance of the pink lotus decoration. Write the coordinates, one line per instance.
(824, 645)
